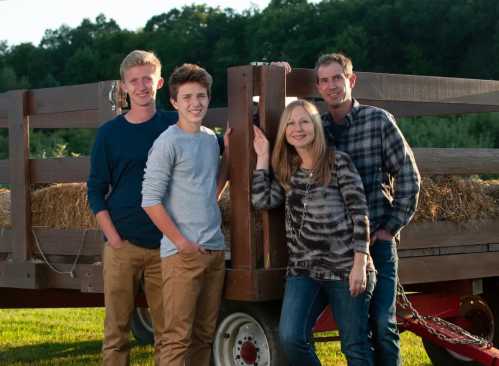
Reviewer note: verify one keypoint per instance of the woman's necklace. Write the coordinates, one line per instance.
(289, 214)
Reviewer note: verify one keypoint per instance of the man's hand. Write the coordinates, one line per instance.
(381, 234)
(286, 65)
(187, 246)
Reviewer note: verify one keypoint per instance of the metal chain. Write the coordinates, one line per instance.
(424, 320)
(51, 266)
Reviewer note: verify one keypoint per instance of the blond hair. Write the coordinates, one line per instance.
(139, 58)
(285, 159)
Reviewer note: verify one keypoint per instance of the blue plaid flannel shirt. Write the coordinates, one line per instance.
(385, 163)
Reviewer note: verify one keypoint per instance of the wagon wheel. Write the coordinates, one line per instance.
(247, 335)
(478, 320)
(141, 326)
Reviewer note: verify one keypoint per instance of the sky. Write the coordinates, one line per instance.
(26, 20)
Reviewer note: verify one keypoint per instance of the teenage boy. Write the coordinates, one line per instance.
(180, 196)
(391, 180)
(114, 192)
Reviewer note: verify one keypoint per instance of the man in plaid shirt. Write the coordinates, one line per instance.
(391, 181)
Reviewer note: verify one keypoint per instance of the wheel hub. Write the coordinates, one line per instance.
(249, 352)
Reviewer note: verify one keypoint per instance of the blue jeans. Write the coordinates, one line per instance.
(303, 302)
(386, 340)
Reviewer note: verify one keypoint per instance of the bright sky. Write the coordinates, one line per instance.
(27, 20)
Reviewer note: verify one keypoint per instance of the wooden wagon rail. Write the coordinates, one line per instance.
(429, 252)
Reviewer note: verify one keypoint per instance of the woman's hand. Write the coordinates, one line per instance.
(262, 149)
(358, 277)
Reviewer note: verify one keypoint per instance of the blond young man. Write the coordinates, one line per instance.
(180, 195)
(114, 192)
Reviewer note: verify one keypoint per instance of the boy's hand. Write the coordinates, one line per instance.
(188, 246)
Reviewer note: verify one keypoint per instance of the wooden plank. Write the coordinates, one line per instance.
(258, 285)
(411, 88)
(19, 175)
(4, 171)
(448, 234)
(70, 241)
(60, 170)
(270, 107)
(436, 161)
(91, 278)
(73, 119)
(66, 98)
(240, 93)
(448, 268)
(27, 275)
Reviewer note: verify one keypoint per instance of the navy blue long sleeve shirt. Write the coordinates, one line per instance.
(118, 161)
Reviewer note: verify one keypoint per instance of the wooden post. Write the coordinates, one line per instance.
(270, 107)
(240, 281)
(19, 175)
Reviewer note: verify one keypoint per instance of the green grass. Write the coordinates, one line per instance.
(73, 337)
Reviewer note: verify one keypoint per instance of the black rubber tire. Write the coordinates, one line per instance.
(266, 316)
(141, 326)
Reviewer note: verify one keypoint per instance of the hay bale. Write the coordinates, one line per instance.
(59, 206)
(456, 199)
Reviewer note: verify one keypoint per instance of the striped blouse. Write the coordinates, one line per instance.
(325, 225)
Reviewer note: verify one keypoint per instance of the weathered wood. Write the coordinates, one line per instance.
(270, 107)
(448, 268)
(27, 275)
(405, 88)
(437, 161)
(4, 171)
(74, 119)
(448, 234)
(60, 241)
(91, 278)
(66, 98)
(60, 170)
(240, 92)
(19, 174)
(258, 285)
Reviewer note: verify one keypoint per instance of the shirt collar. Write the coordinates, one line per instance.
(349, 118)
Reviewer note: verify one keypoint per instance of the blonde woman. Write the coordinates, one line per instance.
(327, 234)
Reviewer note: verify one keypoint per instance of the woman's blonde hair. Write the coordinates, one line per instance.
(285, 159)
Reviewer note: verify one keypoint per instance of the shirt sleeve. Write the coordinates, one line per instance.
(158, 171)
(399, 162)
(352, 191)
(266, 192)
(99, 178)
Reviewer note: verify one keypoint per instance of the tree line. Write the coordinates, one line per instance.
(428, 37)
(454, 38)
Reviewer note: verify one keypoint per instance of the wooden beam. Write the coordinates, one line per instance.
(4, 171)
(19, 175)
(216, 117)
(60, 170)
(90, 241)
(240, 93)
(405, 88)
(271, 104)
(435, 161)
(448, 234)
(448, 268)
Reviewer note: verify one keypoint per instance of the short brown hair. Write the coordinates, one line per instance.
(329, 58)
(189, 73)
(139, 58)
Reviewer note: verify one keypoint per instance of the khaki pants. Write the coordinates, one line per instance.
(192, 292)
(123, 269)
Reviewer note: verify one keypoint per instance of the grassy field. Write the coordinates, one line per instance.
(73, 337)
